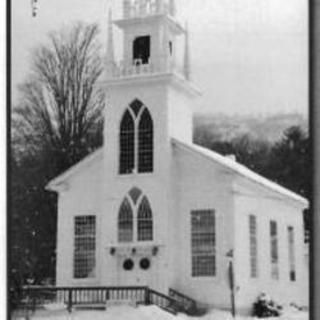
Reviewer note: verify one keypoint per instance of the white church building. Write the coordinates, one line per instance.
(150, 208)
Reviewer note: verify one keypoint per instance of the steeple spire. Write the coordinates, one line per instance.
(165, 41)
(110, 49)
(159, 4)
(172, 7)
(126, 8)
(186, 68)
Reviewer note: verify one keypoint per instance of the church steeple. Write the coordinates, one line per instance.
(172, 8)
(110, 47)
(150, 32)
(152, 75)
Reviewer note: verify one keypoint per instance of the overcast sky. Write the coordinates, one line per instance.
(248, 56)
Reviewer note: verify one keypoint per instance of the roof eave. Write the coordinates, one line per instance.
(59, 183)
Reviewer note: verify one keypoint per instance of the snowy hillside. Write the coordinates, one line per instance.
(151, 313)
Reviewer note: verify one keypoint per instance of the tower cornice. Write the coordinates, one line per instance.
(174, 79)
(172, 22)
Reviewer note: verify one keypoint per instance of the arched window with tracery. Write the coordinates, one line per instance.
(145, 225)
(125, 222)
(145, 137)
(135, 221)
(136, 140)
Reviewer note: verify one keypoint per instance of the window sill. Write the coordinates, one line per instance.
(204, 278)
(85, 281)
(135, 174)
(140, 244)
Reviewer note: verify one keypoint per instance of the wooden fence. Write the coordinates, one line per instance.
(37, 297)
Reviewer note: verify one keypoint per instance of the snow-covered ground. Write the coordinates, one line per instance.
(151, 313)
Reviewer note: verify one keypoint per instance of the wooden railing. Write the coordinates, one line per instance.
(187, 304)
(129, 68)
(141, 8)
(137, 294)
(186, 301)
(162, 301)
(36, 297)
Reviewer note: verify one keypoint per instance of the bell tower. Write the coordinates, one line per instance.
(149, 30)
(150, 69)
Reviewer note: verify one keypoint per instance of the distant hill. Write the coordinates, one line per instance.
(225, 128)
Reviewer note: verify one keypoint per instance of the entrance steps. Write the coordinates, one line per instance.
(173, 303)
(187, 305)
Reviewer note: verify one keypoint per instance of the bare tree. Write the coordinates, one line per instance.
(57, 122)
(61, 107)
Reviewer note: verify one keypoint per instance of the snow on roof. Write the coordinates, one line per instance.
(239, 169)
(53, 185)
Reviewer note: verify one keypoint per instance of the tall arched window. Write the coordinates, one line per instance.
(136, 140)
(145, 137)
(145, 228)
(127, 142)
(125, 222)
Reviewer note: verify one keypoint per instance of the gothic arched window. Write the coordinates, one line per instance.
(127, 142)
(125, 222)
(136, 140)
(135, 218)
(145, 228)
(145, 137)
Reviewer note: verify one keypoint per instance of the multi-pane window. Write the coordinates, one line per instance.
(274, 250)
(292, 262)
(145, 142)
(203, 243)
(135, 214)
(125, 222)
(136, 140)
(253, 246)
(144, 221)
(84, 260)
(127, 138)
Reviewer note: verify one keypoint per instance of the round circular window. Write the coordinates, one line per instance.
(145, 263)
(128, 265)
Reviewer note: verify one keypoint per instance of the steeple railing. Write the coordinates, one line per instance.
(142, 8)
(136, 68)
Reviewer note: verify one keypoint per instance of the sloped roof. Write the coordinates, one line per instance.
(54, 184)
(239, 169)
(209, 154)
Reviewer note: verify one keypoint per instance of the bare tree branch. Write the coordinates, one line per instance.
(60, 101)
